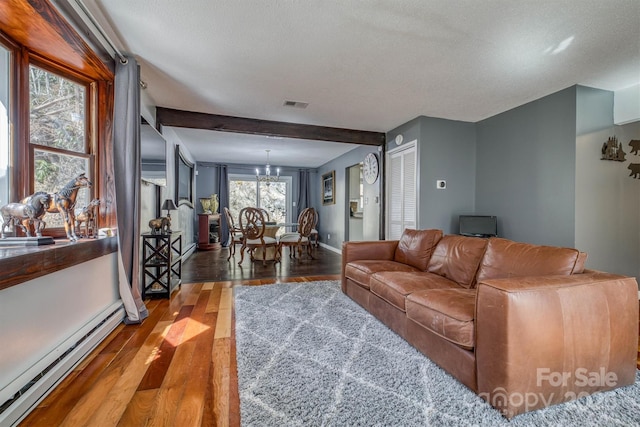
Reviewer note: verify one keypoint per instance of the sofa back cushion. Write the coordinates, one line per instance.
(416, 246)
(505, 258)
(457, 258)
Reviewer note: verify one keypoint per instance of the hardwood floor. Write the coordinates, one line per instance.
(178, 368)
(213, 266)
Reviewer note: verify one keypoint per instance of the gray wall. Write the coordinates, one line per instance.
(332, 217)
(526, 170)
(206, 181)
(206, 184)
(538, 168)
(445, 150)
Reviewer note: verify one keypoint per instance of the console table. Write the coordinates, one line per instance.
(162, 264)
(208, 232)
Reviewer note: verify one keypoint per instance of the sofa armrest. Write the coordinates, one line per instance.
(376, 249)
(546, 340)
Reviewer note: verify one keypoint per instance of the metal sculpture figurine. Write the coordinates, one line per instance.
(89, 216)
(26, 214)
(64, 202)
(41, 202)
(160, 225)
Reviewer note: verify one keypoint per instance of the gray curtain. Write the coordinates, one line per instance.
(304, 190)
(126, 155)
(222, 177)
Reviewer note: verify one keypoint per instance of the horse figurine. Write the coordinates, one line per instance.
(40, 201)
(88, 216)
(64, 202)
(25, 214)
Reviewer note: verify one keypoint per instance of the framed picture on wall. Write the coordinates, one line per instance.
(184, 179)
(328, 188)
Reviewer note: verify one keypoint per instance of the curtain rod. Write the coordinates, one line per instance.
(85, 15)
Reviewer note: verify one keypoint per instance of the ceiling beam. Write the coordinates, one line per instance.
(193, 120)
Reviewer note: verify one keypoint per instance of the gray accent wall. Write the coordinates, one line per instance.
(446, 151)
(331, 218)
(526, 170)
(206, 181)
(537, 168)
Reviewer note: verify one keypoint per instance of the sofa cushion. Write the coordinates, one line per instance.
(393, 287)
(579, 267)
(416, 246)
(506, 258)
(457, 258)
(361, 271)
(448, 313)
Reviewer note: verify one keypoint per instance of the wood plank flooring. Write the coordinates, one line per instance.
(176, 369)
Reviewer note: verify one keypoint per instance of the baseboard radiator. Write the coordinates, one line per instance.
(36, 383)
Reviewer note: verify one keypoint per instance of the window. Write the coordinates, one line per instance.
(275, 198)
(56, 121)
(57, 135)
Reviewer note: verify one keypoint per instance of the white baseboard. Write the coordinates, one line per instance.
(78, 347)
(188, 251)
(331, 248)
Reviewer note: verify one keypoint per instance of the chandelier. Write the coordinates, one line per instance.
(267, 178)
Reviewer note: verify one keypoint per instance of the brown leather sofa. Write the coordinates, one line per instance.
(524, 326)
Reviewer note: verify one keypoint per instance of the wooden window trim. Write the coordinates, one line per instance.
(36, 34)
(23, 264)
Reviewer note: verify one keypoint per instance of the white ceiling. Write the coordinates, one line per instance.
(368, 65)
(227, 147)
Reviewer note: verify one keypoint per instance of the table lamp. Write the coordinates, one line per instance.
(169, 206)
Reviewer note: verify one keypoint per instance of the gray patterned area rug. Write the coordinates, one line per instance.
(309, 356)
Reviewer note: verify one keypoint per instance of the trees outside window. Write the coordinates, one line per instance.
(274, 198)
(57, 135)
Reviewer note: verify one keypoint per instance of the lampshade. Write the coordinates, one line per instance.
(169, 205)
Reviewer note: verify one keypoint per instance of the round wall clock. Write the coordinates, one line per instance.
(370, 168)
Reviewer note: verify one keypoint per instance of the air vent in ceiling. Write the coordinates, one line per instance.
(295, 104)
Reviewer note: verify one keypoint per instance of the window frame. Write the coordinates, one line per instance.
(35, 33)
(26, 163)
(288, 180)
(88, 153)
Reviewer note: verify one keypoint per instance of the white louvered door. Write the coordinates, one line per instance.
(401, 190)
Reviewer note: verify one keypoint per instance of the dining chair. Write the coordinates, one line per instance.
(313, 237)
(300, 238)
(252, 225)
(235, 233)
(265, 213)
